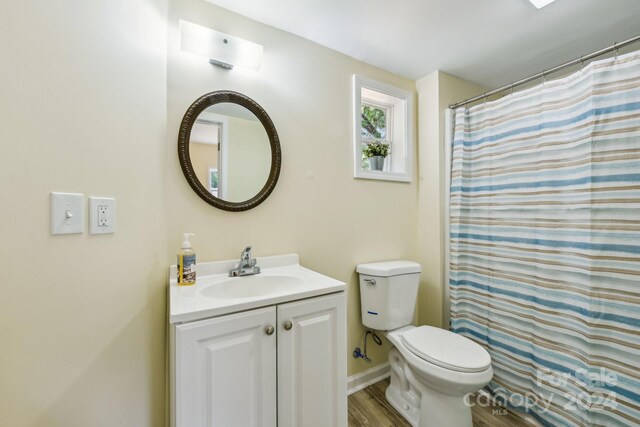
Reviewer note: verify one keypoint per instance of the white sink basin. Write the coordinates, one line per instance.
(282, 279)
(253, 286)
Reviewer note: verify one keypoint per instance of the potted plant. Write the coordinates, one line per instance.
(376, 152)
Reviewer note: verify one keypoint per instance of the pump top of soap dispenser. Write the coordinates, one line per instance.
(186, 244)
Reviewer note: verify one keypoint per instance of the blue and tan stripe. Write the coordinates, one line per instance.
(545, 239)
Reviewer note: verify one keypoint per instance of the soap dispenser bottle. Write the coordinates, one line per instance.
(186, 263)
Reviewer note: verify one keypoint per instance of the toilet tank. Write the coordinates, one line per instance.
(388, 293)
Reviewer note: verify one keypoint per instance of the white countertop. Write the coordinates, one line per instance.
(189, 303)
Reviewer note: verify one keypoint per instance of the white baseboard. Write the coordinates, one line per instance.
(370, 376)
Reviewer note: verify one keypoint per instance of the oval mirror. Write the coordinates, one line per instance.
(229, 150)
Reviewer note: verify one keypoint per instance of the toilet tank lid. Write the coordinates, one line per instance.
(388, 268)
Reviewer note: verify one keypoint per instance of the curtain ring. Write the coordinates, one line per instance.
(544, 76)
(511, 89)
(615, 51)
(485, 99)
(581, 62)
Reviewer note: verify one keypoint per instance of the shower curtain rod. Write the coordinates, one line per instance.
(544, 73)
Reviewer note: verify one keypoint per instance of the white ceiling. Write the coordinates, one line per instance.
(491, 42)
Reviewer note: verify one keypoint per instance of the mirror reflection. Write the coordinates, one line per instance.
(230, 152)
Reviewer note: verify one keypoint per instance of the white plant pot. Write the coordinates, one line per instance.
(376, 163)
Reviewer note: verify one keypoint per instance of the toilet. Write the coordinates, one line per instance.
(432, 369)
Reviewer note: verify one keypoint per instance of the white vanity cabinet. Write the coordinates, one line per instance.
(282, 365)
(225, 371)
(312, 365)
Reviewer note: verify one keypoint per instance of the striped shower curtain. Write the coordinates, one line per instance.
(545, 244)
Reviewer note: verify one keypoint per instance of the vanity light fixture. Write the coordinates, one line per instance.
(222, 49)
(541, 3)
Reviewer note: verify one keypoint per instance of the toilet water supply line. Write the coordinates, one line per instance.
(363, 355)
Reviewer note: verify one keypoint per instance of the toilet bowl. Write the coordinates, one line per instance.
(432, 369)
(434, 388)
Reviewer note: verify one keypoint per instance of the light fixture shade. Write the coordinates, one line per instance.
(221, 48)
(541, 3)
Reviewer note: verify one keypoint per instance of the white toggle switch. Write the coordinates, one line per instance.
(66, 213)
(102, 215)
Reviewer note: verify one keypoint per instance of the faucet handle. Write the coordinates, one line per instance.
(246, 253)
(246, 266)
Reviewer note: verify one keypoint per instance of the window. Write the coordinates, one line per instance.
(383, 147)
(374, 121)
(375, 128)
(213, 181)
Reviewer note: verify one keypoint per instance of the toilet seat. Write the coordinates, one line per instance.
(446, 349)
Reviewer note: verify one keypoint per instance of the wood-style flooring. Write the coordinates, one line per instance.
(369, 407)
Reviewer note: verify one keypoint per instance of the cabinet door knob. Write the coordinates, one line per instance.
(269, 330)
(288, 325)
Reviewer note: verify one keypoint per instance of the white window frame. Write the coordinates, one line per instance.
(359, 83)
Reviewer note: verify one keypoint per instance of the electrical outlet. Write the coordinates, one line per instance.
(102, 215)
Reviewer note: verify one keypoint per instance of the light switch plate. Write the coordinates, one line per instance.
(102, 215)
(67, 213)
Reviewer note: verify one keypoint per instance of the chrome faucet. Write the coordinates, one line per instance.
(247, 265)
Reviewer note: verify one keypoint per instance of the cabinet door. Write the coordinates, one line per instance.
(226, 371)
(312, 363)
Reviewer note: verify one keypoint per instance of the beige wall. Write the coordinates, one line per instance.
(249, 159)
(203, 157)
(317, 209)
(82, 317)
(435, 92)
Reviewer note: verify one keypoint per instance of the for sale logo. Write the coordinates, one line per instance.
(579, 390)
(582, 389)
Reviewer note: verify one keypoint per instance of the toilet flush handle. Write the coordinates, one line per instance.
(370, 281)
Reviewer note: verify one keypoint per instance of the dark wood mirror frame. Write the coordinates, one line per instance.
(184, 137)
